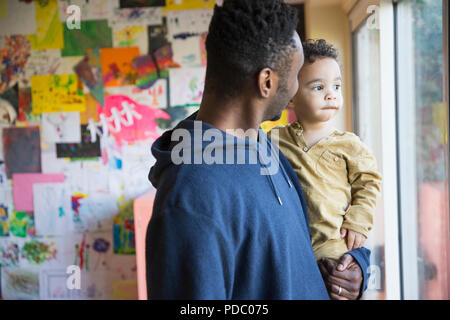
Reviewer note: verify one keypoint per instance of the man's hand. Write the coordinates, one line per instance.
(347, 275)
(355, 239)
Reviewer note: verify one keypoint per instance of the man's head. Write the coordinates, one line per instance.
(253, 48)
(319, 97)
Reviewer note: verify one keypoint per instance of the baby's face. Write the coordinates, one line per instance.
(319, 97)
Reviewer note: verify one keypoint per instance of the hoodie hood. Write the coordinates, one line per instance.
(263, 150)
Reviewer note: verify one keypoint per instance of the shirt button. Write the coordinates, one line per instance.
(299, 133)
(336, 159)
(305, 149)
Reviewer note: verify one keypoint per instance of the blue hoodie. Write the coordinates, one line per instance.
(229, 231)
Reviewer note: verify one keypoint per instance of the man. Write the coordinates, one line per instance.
(221, 228)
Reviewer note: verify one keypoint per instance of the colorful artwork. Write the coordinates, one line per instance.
(151, 68)
(131, 36)
(52, 209)
(49, 30)
(22, 150)
(153, 97)
(129, 121)
(40, 62)
(91, 110)
(123, 230)
(9, 106)
(89, 70)
(61, 127)
(85, 149)
(9, 254)
(94, 212)
(136, 17)
(142, 3)
(14, 54)
(26, 107)
(20, 284)
(21, 224)
(90, 9)
(36, 252)
(57, 93)
(92, 34)
(186, 86)
(4, 223)
(189, 4)
(116, 66)
(101, 247)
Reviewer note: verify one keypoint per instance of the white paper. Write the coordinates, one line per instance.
(148, 16)
(89, 9)
(185, 22)
(186, 86)
(21, 18)
(63, 127)
(52, 209)
(187, 52)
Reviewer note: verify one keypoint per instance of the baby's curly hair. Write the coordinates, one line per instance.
(314, 49)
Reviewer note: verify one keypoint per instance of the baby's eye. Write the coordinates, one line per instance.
(317, 88)
(337, 87)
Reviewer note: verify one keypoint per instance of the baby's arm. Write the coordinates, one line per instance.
(365, 186)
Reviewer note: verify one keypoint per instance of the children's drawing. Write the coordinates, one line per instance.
(22, 150)
(85, 149)
(186, 86)
(61, 127)
(52, 209)
(14, 54)
(90, 9)
(123, 229)
(183, 24)
(21, 224)
(116, 66)
(49, 30)
(9, 253)
(136, 17)
(23, 187)
(131, 36)
(128, 120)
(20, 283)
(36, 252)
(57, 93)
(89, 70)
(153, 97)
(101, 247)
(92, 34)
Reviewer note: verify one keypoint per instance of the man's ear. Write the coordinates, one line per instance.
(267, 82)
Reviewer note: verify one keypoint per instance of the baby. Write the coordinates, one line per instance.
(337, 171)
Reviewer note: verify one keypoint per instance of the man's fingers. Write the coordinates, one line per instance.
(334, 289)
(344, 262)
(329, 265)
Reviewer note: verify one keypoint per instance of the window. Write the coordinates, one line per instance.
(423, 150)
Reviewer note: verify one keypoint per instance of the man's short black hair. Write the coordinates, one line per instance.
(313, 49)
(246, 36)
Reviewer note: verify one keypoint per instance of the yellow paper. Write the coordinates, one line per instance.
(57, 93)
(189, 4)
(3, 9)
(125, 290)
(49, 30)
(268, 125)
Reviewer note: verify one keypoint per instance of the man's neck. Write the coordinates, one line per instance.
(234, 116)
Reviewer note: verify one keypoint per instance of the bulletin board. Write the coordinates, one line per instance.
(81, 102)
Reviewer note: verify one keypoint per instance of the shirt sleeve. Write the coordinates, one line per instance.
(365, 184)
(362, 257)
(187, 258)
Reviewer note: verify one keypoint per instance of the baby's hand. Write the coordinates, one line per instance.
(355, 239)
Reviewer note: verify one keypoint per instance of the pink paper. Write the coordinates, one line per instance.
(23, 188)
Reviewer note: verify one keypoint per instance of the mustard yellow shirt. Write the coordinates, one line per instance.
(340, 181)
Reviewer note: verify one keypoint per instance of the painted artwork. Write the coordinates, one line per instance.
(142, 3)
(21, 224)
(91, 110)
(40, 62)
(57, 93)
(9, 106)
(93, 34)
(186, 86)
(133, 121)
(89, 70)
(49, 30)
(131, 36)
(14, 54)
(9, 253)
(4, 220)
(136, 16)
(22, 149)
(117, 66)
(85, 149)
(153, 97)
(20, 284)
(89, 9)
(36, 252)
(123, 230)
